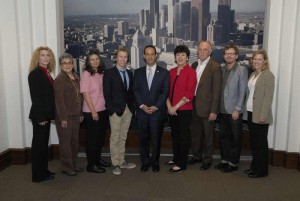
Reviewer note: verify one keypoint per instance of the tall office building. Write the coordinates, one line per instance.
(171, 4)
(182, 22)
(137, 50)
(225, 18)
(163, 16)
(147, 18)
(123, 28)
(142, 18)
(200, 18)
(154, 13)
(155, 35)
(210, 33)
(108, 32)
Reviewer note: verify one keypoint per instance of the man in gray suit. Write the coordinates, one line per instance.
(234, 85)
(206, 106)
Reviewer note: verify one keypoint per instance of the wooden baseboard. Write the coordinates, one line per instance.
(23, 156)
(4, 159)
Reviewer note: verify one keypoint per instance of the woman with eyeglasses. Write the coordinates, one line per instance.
(68, 101)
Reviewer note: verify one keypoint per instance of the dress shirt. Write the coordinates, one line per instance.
(121, 70)
(251, 88)
(153, 68)
(199, 70)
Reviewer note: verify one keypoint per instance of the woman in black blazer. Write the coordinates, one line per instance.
(42, 110)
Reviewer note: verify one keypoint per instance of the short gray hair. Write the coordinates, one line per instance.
(65, 56)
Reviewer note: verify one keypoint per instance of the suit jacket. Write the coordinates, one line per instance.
(42, 97)
(208, 93)
(68, 99)
(156, 96)
(263, 97)
(235, 89)
(115, 95)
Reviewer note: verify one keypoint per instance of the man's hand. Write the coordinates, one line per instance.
(212, 117)
(235, 115)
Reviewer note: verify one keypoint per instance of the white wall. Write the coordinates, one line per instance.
(281, 40)
(26, 24)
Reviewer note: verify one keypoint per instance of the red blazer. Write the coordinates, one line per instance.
(184, 87)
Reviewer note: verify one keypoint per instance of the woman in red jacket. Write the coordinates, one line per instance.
(182, 87)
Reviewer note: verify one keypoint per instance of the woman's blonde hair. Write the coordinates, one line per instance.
(265, 56)
(35, 59)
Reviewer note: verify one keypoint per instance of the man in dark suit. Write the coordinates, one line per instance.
(151, 86)
(206, 106)
(118, 94)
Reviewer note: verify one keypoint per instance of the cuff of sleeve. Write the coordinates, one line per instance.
(237, 108)
(141, 106)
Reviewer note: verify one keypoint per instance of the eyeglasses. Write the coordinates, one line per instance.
(229, 54)
(67, 63)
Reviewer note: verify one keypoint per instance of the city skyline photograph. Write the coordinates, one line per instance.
(104, 7)
(108, 25)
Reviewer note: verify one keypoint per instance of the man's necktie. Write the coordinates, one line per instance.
(124, 79)
(150, 77)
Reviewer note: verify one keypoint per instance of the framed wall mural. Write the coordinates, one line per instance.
(108, 25)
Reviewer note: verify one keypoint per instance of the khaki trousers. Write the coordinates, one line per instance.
(119, 128)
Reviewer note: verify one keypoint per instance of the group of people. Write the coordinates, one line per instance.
(190, 97)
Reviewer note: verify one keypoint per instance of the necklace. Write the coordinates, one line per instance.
(76, 87)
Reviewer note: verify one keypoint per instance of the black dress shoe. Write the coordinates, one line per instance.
(50, 177)
(144, 168)
(79, 169)
(171, 162)
(254, 175)
(193, 161)
(230, 168)
(50, 173)
(205, 166)
(95, 169)
(173, 170)
(249, 171)
(155, 168)
(103, 163)
(221, 166)
(70, 172)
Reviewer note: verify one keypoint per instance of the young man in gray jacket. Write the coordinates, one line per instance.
(234, 83)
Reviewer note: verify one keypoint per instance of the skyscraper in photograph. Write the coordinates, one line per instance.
(108, 32)
(171, 4)
(142, 18)
(137, 49)
(147, 19)
(154, 13)
(123, 28)
(225, 19)
(163, 16)
(200, 18)
(181, 21)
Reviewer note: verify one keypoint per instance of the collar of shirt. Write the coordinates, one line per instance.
(121, 69)
(233, 67)
(153, 68)
(203, 62)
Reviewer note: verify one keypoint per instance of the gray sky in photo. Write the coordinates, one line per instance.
(94, 7)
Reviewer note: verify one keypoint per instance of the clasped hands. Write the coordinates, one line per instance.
(149, 110)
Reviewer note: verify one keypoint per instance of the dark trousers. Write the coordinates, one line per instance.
(259, 146)
(181, 135)
(230, 138)
(150, 130)
(95, 136)
(202, 133)
(68, 142)
(39, 151)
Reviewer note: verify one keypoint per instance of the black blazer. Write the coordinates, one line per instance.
(156, 96)
(115, 95)
(42, 97)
